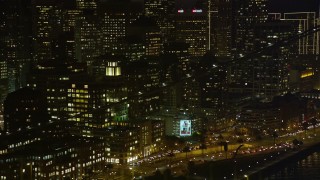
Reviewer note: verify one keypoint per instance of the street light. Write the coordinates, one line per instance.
(246, 176)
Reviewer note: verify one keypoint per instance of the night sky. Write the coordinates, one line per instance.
(273, 5)
(293, 5)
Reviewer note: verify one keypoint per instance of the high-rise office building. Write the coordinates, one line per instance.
(303, 63)
(303, 21)
(113, 27)
(65, 48)
(220, 27)
(46, 15)
(116, 17)
(142, 78)
(191, 27)
(169, 74)
(187, 91)
(65, 30)
(146, 30)
(265, 74)
(163, 12)
(87, 36)
(92, 104)
(248, 13)
(52, 78)
(213, 85)
(53, 25)
(15, 42)
(143, 38)
(3, 80)
(270, 68)
(1, 118)
(3, 62)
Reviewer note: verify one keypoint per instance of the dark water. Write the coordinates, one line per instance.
(307, 168)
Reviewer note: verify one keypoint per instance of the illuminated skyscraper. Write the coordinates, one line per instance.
(87, 37)
(15, 42)
(213, 86)
(52, 78)
(142, 78)
(187, 93)
(87, 32)
(147, 31)
(265, 74)
(248, 13)
(113, 27)
(163, 12)
(270, 68)
(45, 13)
(65, 43)
(54, 29)
(303, 21)
(304, 52)
(90, 102)
(143, 38)
(191, 27)
(3, 70)
(3, 80)
(222, 37)
(73, 95)
(65, 30)
(116, 16)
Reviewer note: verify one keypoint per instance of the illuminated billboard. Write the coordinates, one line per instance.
(185, 127)
(197, 10)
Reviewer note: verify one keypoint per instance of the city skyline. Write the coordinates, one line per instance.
(155, 89)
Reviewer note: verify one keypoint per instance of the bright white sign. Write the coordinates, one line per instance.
(185, 127)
